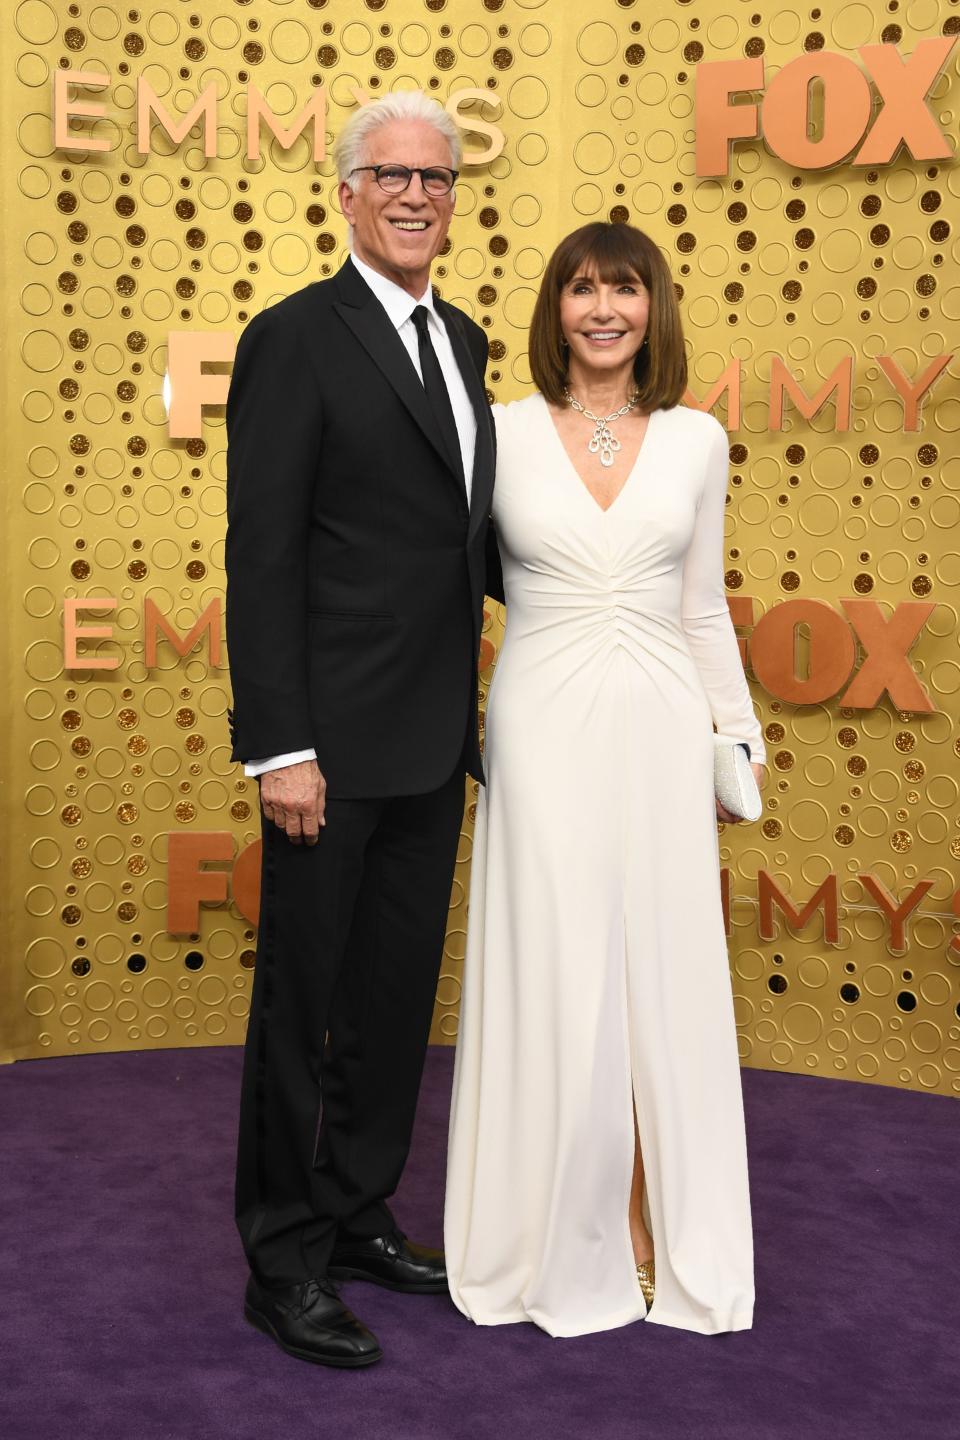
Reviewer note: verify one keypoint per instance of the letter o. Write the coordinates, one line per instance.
(847, 108)
(246, 881)
(773, 651)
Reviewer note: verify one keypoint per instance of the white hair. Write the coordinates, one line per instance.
(350, 148)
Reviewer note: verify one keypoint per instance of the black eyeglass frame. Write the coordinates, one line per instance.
(411, 171)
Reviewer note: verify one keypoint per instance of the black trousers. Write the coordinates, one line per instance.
(350, 941)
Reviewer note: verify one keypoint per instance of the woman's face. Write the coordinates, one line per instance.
(604, 325)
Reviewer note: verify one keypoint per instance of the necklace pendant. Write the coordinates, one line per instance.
(603, 438)
(607, 443)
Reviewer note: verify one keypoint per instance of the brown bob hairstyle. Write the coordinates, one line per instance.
(614, 254)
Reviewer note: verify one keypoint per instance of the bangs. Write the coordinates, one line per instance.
(608, 253)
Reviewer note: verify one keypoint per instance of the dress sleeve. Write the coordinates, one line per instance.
(704, 614)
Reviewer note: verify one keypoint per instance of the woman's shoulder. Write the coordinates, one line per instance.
(514, 411)
(697, 425)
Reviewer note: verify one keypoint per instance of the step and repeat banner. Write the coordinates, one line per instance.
(168, 174)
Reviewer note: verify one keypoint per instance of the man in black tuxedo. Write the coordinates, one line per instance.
(359, 478)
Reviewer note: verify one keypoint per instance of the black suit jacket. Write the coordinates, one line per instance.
(355, 574)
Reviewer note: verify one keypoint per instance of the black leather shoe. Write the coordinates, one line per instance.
(390, 1260)
(311, 1322)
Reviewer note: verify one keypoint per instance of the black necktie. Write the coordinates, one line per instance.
(436, 388)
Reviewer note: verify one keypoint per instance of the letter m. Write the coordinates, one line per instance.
(838, 384)
(154, 622)
(727, 382)
(770, 894)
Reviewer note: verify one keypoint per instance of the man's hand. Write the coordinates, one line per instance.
(294, 798)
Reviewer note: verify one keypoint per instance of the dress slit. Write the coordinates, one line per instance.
(637, 1132)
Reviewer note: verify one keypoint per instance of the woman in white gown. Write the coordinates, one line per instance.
(597, 1121)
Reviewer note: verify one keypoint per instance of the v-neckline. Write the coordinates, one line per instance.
(580, 482)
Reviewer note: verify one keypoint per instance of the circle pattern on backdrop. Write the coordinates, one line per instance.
(118, 248)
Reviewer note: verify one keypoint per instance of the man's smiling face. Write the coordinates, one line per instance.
(399, 235)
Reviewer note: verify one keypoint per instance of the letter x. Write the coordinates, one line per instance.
(886, 666)
(903, 85)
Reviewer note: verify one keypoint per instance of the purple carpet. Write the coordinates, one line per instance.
(122, 1278)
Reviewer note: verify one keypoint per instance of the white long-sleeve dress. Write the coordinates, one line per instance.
(596, 966)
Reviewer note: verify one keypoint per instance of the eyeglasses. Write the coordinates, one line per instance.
(436, 179)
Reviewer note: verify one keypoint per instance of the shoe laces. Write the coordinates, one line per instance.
(314, 1288)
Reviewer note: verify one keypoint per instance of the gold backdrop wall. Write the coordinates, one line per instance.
(105, 253)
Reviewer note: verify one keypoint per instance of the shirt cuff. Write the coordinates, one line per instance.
(277, 762)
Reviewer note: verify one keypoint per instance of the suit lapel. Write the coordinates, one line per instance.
(360, 310)
(481, 488)
(366, 317)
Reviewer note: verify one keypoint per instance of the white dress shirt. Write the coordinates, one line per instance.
(400, 305)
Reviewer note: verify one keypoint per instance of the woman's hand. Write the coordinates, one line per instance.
(725, 815)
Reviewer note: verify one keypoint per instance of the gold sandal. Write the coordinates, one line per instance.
(646, 1279)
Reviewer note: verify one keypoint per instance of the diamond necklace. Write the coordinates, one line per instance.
(603, 438)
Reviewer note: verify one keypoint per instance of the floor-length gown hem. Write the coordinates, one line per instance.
(571, 1332)
(739, 1320)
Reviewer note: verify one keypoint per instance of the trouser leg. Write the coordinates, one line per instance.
(308, 897)
(383, 1006)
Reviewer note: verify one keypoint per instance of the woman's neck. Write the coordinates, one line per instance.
(602, 391)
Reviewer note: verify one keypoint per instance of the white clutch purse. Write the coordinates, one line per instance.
(733, 781)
